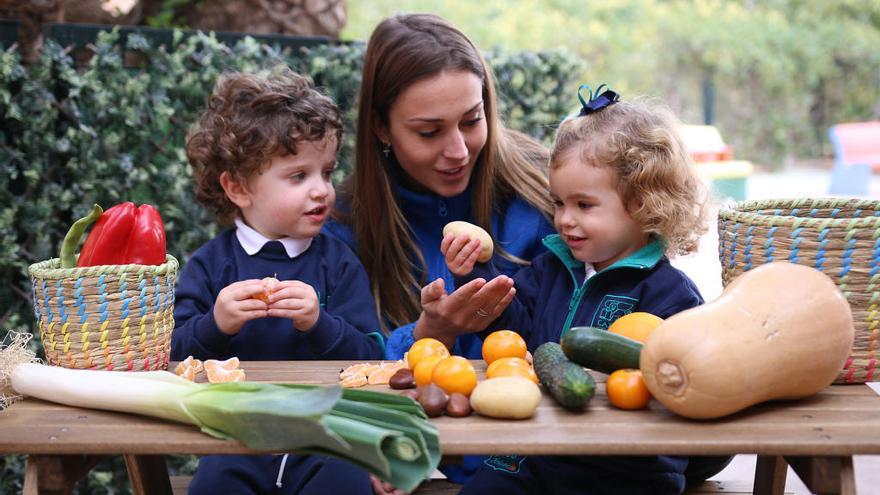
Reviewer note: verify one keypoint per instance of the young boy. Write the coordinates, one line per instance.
(262, 155)
(624, 195)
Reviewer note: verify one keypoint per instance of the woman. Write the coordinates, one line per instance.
(430, 149)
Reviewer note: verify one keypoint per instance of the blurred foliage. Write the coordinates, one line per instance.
(113, 130)
(783, 70)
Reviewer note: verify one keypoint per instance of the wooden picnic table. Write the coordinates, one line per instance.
(817, 436)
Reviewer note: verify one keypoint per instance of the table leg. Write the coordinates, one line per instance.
(148, 474)
(56, 474)
(770, 474)
(825, 475)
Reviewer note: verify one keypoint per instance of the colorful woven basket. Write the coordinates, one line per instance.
(840, 237)
(113, 317)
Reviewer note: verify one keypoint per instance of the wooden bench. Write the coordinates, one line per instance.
(180, 485)
(856, 155)
(714, 160)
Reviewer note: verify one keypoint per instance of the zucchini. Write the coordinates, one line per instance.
(570, 384)
(601, 350)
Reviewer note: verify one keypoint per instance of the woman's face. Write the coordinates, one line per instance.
(437, 128)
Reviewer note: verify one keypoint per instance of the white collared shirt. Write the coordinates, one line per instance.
(252, 241)
(590, 270)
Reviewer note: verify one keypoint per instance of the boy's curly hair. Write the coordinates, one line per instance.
(639, 139)
(250, 119)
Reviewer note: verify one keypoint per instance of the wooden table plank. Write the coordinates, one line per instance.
(839, 421)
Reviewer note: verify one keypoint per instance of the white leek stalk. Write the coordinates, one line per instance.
(386, 434)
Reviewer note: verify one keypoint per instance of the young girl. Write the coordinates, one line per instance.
(624, 195)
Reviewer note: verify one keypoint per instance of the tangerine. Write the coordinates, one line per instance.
(422, 371)
(455, 374)
(636, 326)
(502, 344)
(423, 348)
(512, 366)
(626, 389)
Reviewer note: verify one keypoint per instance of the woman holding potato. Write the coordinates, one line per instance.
(430, 149)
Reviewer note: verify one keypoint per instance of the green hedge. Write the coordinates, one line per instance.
(113, 130)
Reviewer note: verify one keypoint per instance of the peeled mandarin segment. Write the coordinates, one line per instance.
(219, 374)
(189, 373)
(355, 368)
(381, 376)
(354, 380)
(268, 288)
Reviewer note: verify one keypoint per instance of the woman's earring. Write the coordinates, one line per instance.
(386, 149)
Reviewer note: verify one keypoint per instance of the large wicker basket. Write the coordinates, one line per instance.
(840, 237)
(113, 317)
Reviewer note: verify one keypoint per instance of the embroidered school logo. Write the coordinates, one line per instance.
(611, 308)
(507, 463)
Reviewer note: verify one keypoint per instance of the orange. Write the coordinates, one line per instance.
(455, 374)
(268, 288)
(636, 326)
(512, 366)
(423, 348)
(502, 344)
(626, 389)
(422, 371)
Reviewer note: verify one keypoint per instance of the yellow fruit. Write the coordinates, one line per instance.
(423, 348)
(512, 366)
(636, 326)
(422, 372)
(626, 389)
(502, 344)
(454, 374)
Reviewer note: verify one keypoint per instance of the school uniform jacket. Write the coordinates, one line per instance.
(553, 294)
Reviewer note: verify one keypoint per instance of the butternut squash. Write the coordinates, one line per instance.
(779, 331)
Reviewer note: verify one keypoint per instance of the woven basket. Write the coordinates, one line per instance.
(840, 237)
(113, 317)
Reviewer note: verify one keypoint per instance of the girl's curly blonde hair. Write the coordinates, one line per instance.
(639, 139)
(248, 120)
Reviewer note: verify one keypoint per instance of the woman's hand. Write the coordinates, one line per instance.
(236, 305)
(461, 253)
(469, 309)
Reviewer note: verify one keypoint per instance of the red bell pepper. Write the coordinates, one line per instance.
(125, 234)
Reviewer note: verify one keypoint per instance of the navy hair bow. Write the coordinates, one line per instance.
(597, 101)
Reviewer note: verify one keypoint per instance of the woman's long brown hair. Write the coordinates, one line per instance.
(402, 50)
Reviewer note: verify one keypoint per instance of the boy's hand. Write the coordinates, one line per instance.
(296, 301)
(383, 487)
(235, 305)
(461, 253)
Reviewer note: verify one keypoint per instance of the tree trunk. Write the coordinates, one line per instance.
(308, 17)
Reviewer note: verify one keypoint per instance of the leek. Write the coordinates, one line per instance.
(386, 434)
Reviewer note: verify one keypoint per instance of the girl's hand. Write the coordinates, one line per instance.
(461, 253)
(383, 487)
(236, 305)
(296, 301)
(469, 309)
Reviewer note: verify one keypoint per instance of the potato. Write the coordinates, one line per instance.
(506, 397)
(460, 228)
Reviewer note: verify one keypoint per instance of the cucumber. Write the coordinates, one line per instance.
(570, 384)
(601, 350)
